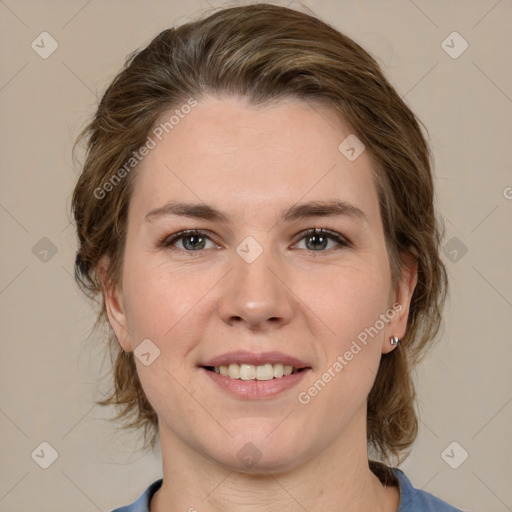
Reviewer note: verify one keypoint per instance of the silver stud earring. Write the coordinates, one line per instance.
(394, 340)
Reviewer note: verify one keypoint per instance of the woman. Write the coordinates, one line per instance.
(256, 213)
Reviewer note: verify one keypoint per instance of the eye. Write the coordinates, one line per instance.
(195, 240)
(192, 240)
(318, 239)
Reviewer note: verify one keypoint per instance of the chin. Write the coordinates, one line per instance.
(259, 453)
(252, 461)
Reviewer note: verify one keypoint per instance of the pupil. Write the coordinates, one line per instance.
(194, 239)
(320, 240)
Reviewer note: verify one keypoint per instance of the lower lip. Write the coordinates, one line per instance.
(256, 389)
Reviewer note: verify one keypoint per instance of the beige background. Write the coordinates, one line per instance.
(49, 369)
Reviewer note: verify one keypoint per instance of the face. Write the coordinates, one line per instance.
(283, 263)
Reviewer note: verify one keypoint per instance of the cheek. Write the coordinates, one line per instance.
(351, 309)
(160, 303)
(350, 300)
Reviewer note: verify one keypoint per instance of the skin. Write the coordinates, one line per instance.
(252, 163)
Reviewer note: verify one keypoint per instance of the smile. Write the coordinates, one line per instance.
(252, 388)
(245, 371)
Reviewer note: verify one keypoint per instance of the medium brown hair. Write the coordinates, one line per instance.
(263, 53)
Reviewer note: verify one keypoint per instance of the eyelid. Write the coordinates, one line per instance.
(167, 240)
(333, 235)
(342, 240)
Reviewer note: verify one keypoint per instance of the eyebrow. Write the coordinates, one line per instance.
(330, 208)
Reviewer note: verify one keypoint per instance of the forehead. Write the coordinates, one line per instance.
(232, 155)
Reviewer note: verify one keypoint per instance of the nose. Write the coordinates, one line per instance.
(256, 294)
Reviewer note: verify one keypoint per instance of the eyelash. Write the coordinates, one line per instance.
(167, 241)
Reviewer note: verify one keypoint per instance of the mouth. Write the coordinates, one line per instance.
(246, 371)
(249, 375)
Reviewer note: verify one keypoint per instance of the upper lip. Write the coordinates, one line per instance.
(256, 359)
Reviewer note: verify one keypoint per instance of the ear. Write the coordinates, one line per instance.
(113, 297)
(401, 302)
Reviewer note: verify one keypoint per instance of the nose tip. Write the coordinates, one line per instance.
(254, 295)
(253, 319)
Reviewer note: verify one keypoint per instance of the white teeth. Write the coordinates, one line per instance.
(278, 370)
(251, 372)
(247, 372)
(264, 372)
(233, 371)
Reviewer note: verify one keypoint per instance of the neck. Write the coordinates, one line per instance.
(338, 475)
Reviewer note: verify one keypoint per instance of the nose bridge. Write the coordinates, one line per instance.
(255, 292)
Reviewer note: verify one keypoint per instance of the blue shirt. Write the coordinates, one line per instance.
(411, 499)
